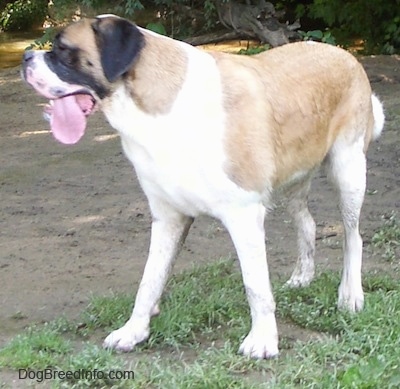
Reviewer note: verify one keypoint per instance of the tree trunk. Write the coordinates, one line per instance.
(256, 21)
(214, 37)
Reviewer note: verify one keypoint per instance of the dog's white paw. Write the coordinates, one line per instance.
(351, 299)
(299, 280)
(126, 338)
(155, 311)
(302, 275)
(260, 344)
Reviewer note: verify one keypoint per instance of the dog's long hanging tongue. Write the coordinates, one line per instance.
(68, 122)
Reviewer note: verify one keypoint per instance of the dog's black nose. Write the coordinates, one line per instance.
(28, 55)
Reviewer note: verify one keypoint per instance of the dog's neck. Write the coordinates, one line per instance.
(158, 75)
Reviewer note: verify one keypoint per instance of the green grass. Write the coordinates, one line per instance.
(204, 316)
(358, 350)
(36, 348)
(254, 50)
(196, 303)
(387, 237)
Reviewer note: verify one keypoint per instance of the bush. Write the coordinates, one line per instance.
(376, 22)
(179, 18)
(23, 15)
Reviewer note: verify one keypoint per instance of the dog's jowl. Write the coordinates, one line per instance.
(218, 134)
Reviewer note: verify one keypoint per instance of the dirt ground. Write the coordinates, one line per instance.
(74, 221)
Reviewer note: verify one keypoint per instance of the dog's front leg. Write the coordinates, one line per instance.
(246, 227)
(169, 230)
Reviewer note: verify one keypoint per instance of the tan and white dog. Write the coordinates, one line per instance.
(218, 134)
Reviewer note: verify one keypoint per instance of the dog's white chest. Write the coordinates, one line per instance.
(182, 167)
(176, 172)
(179, 156)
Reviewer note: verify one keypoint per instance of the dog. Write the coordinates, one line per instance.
(218, 134)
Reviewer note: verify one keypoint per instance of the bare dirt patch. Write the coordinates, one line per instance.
(74, 221)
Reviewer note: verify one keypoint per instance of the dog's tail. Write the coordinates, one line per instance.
(379, 117)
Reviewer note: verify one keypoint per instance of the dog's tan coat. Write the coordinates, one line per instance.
(158, 76)
(269, 136)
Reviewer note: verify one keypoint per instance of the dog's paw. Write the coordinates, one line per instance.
(351, 299)
(299, 280)
(155, 311)
(301, 276)
(260, 345)
(125, 338)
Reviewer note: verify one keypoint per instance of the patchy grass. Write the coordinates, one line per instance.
(387, 237)
(204, 316)
(99, 367)
(196, 304)
(357, 350)
(36, 348)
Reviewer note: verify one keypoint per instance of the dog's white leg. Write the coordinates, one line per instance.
(348, 168)
(298, 208)
(246, 227)
(169, 230)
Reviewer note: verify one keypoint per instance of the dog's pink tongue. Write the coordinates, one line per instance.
(68, 122)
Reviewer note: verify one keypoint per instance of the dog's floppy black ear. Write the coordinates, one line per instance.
(119, 42)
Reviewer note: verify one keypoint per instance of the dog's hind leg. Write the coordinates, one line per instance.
(347, 164)
(246, 227)
(298, 208)
(169, 230)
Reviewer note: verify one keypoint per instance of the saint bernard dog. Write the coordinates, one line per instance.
(219, 134)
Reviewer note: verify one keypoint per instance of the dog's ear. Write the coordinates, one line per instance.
(119, 42)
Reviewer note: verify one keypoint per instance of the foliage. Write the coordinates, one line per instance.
(376, 22)
(23, 15)
(123, 8)
(318, 35)
(131, 6)
(254, 50)
(186, 18)
(44, 42)
(157, 27)
(175, 18)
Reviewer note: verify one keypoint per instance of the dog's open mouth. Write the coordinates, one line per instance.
(67, 116)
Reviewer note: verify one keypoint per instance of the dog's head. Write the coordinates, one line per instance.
(87, 60)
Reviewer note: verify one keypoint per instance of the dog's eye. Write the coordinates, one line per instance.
(63, 49)
(61, 46)
(67, 55)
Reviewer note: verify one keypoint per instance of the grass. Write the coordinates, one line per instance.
(204, 316)
(36, 348)
(387, 237)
